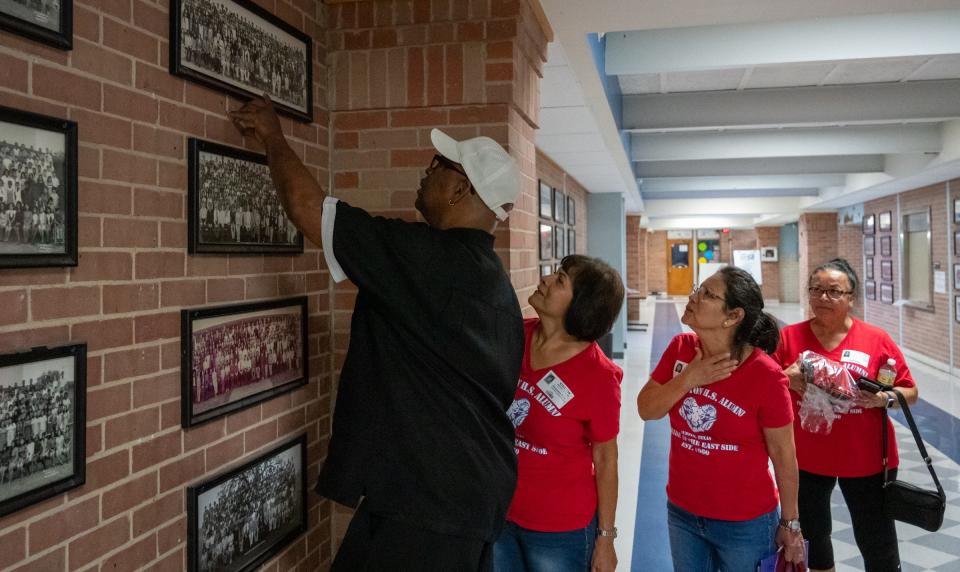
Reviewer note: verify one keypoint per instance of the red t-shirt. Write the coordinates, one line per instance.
(559, 412)
(852, 448)
(718, 454)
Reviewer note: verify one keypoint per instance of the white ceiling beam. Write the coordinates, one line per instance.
(770, 166)
(829, 105)
(730, 206)
(706, 222)
(819, 40)
(859, 140)
(733, 193)
(760, 182)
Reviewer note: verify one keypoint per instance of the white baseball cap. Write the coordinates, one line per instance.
(491, 170)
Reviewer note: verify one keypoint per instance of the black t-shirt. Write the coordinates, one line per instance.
(420, 426)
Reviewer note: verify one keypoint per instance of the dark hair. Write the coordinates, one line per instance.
(840, 265)
(597, 297)
(758, 328)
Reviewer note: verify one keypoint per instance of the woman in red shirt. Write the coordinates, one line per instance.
(850, 453)
(729, 412)
(566, 412)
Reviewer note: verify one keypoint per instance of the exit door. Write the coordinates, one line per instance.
(679, 267)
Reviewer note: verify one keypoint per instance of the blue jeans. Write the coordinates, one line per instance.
(706, 545)
(522, 550)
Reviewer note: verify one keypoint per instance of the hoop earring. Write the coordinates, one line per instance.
(451, 202)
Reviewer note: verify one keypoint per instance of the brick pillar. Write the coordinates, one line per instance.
(769, 236)
(818, 244)
(657, 261)
(634, 263)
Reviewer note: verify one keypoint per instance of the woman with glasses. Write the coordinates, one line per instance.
(851, 452)
(729, 413)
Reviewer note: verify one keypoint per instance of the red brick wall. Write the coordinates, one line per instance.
(850, 247)
(657, 261)
(818, 244)
(954, 186)
(635, 266)
(134, 276)
(554, 175)
(883, 315)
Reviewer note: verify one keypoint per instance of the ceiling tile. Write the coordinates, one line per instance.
(640, 83)
(554, 120)
(707, 80)
(789, 75)
(560, 88)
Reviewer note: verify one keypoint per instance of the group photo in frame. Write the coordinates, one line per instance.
(870, 289)
(244, 516)
(38, 190)
(956, 276)
(886, 270)
(956, 308)
(956, 211)
(869, 246)
(46, 21)
(559, 240)
(42, 424)
(868, 269)
(869, 224)
(236, 356)
(885, 221)
(238, 47)
(559, 206)
(546, 200)
(546, 242)
(886, 246)
(886, 293)
(571, 211)
(233, 204)
(571, 241)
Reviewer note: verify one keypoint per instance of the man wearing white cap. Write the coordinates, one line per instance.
(421, 441)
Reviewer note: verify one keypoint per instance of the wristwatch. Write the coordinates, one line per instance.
(890, 400)
(608, 533)
(791, 525)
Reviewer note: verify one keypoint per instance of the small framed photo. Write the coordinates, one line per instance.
(559, 241)
(239, 355)
(238, 47)
(546, 200)
(243, 517)
(869, 246)
(233, 205)
(956, 308)
(546, 270)
(886, 246)
(49, 22)
(886, 293)
(546, 242)
(868, 269)
(571, 211)
(38, 190)
(768, 254)
(956, 211)
(956, 276)
(886, 221)
(559, 206)
(571, 241)
(42, 424)
(886, 270)
(956, 243)
(869, 224)
(870, 289)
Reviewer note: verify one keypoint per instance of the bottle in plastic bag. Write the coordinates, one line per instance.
(888, 372)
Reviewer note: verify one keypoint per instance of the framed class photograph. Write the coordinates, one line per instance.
(886, 293)
(868, 269)
(42, 424)
(46, 21)
(38, 190)
(546, 242)
(559, 242)
(956, 308)
(886, 246)
(869, 246)
(559, 206)
(956, 211)
(238, 47)
(243, 517)
(869, 224)
(886, 270)
(233, 204)
(870, 289)
(956, 243)
(886, 221)
(571, 211)
(956, 276)
(235, 356)
(546, 200)
(571, 241)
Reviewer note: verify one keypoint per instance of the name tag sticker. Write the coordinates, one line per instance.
(678, 367)
(853, 356)
(554, 388)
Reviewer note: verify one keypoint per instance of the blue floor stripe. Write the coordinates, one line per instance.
(937, 427)
(651, 543)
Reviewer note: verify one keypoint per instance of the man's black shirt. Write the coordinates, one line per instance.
(420, 427)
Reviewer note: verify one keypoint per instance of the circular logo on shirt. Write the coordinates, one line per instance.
(699, 418)
(518, 411)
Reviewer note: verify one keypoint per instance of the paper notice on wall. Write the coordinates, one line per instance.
(939, 282)
(749, 260)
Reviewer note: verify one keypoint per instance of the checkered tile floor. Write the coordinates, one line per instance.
(920, 551)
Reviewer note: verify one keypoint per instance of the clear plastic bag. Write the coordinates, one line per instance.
(831, 392)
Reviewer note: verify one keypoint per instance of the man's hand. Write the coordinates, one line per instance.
(604, 556)
(258, 119)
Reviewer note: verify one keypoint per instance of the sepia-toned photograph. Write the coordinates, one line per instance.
(234, 205)
(235, 356)
(46, 21)
(546, 200)
(42, 424)
(236, 46)
(239, 519)
(886, 246)
(38, 190)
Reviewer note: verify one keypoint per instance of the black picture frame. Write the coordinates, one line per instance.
(274, 484)
(956, 308)
(221, 373)
(886, 270)
(546, 242)
(956, 276)
(956, 211)
(546, 200)
(53, 143)
(869, 246)
(252, 26)
(571, 211)
(212, 167)
(546, 270)
(55, 30)
(956, 244)
(886, 246)
(870, 289)
(58, 441)
(869, 224)
(886, 293)
(559, 206)
(559, 242)
(571, 241)
(885, 221)
(868, 268)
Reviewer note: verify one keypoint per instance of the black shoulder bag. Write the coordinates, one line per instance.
(909, 503)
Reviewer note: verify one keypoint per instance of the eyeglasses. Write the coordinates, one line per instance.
(440, 160)
(832, 293)
(700, 292)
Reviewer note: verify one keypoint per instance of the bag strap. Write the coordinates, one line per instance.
(916, 437)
